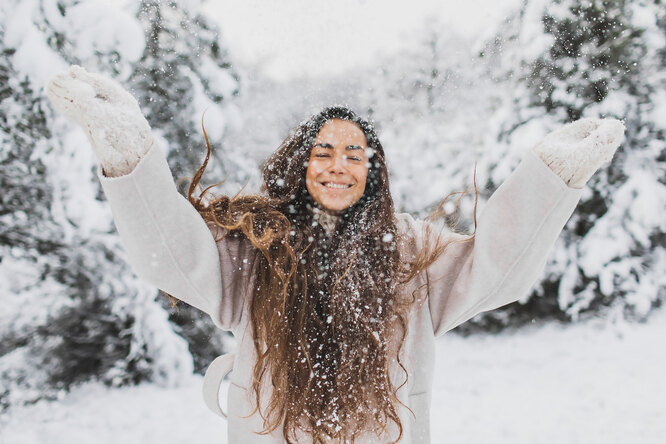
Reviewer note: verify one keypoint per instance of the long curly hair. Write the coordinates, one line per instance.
(327, 314)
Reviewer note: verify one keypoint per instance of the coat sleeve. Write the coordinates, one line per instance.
(515, 232)
(170, 246)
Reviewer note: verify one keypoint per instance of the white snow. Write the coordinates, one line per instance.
(583, 383)
(592, 382)
(93, 413)
(586, 383)
(99, 28)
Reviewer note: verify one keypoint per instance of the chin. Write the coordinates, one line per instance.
(335, 208)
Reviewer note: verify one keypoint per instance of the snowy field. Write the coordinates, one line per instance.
(589, 383)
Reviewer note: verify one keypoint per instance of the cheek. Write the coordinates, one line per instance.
(310, 172)
(314, 169)
(310, 177)
(362, 176)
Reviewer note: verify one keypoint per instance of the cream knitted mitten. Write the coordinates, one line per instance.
(110, 116)
(575, 151)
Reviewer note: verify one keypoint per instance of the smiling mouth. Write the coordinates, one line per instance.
(336, 186)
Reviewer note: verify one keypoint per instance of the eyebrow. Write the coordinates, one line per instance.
(348, 147)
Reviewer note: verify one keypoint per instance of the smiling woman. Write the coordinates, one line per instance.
(338, 166)
(335, 322)
(326, 203)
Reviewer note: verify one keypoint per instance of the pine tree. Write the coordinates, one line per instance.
(598, 59)
(595, 49)
(183, 71)
(74, 310)
(421, 98)
(61, 320)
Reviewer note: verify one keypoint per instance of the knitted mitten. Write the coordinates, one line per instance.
(110, 116)
(575, 151)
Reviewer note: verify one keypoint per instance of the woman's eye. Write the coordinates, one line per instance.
(322, 155)
(357, 159)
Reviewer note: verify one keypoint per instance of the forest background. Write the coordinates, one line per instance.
(442, 96)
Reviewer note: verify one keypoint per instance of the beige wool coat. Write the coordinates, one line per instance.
(169, 245)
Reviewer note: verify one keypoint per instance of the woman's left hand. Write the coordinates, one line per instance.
(575, 151)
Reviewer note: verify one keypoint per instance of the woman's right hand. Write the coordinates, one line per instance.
(109, 115)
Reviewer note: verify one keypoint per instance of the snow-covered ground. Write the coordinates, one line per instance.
(584, 383)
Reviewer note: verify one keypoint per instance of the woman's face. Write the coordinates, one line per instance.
(337, 168)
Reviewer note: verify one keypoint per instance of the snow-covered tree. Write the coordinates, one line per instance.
(72, 309)
(429, 103)
(184, 71)
(591, 59)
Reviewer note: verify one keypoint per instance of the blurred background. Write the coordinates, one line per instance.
(447, 85)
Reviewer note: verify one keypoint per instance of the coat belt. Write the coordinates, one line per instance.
(215, 373)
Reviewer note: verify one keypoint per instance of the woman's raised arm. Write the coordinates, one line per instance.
(167, 242)
(519, 224)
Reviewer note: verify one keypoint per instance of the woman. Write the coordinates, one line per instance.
(334, 298)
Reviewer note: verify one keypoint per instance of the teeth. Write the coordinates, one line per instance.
(335, 185)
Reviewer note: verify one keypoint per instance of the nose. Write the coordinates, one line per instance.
(338, 166)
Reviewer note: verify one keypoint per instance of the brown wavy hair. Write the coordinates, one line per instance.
(327, 314)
